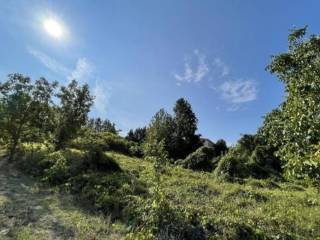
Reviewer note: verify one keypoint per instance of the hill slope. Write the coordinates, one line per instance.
(254, 209)
(30, 212)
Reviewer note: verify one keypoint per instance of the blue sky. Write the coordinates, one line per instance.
(140, 56)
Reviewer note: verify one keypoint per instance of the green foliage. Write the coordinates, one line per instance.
(91, 174)
(247, 143)
(59, 166)
(264, 155)
(25, 110)
(294, 127)
(269, 209)
(220, 147)
(192, 203)
(99, 125)
(185, 122)
(31, 158)
(59, 170)
(160, 129)
(200, 160)
(111, 193)
(231, 167)
(158, 219)
(272, 128)
(306, 167)
(75, 106)
(106, 141)
(178, 132)
(97, 160)
(138, 135)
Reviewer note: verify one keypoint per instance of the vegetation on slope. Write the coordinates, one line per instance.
(164, 181)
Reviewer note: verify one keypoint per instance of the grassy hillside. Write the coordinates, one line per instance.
(254, 209)
(30, 211)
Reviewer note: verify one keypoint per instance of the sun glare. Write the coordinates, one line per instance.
(53, 28)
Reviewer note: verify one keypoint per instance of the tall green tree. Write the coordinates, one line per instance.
(26, 109)
(220, 147)
(185, 120)
(160, 129)
(99, 125)
(138, 135)
(76, 102)
(294, 127)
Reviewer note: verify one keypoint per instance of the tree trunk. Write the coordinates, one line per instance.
(13, 149)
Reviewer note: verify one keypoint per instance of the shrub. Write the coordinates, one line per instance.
(200, 160)
(247, 143)
(97, 160)
(136, 150)
(31, 158)
(111, 193)
(230, 167)
(306, 168)
(59, 171)
(257, 171)
(264, 156)
(104, 140)
(161, 221)
(221, 147)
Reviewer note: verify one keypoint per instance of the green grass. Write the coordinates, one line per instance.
(276, 210)
(30, 212)
(254, 209)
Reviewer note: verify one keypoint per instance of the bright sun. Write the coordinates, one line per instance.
(53, 28)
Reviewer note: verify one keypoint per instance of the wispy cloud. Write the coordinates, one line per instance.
(195, 68)
(222, 68)
(217, 75)
(102, 96)
(49, 62)
(239, 91)
(82, 72)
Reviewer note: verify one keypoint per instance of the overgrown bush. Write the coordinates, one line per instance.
(111, 193)
(264, 156)
(94, 176)
(306, 168)
(97, 160)
(161, 221)
(231, 167)
(31, 158)
(105, 141)
(59, 170)
(200, 160)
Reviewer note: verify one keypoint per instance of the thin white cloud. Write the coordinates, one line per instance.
(82, 72)
(217, 76)
(49, 62)
(239, 91)
(195, 68)
(102, 96)
(221, 67)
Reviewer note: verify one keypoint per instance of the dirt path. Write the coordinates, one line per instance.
(29, 212)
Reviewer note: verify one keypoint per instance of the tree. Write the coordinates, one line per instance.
(160, 129)
(138, 135)
(26, 109)
(294, 127)
(99, 125)
(76, 102)
(185, 139)
(220, 147)
(247, 142)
